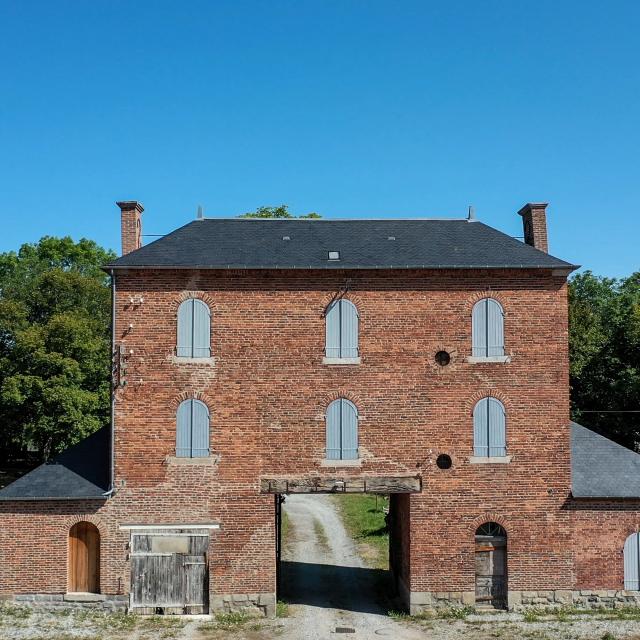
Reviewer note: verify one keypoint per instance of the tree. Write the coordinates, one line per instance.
(604, 348)
(55, 311)
(276, 212)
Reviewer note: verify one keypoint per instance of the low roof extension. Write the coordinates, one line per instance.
(601, 468)
(253, 243)
(80, 472)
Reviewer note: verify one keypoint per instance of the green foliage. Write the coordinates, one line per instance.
(55, 311)
(604, 347)
(282, 609)
(277, 212)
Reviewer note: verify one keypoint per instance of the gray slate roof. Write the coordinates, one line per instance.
(363, 244)
(601, 468)
(82, 471)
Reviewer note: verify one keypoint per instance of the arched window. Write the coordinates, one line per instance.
(491, 565)
(341, 328)
(342, 430)
(487, 329)
(84, 558)
(192, 430)
(194, 329)
(632, 562)
(489, 428)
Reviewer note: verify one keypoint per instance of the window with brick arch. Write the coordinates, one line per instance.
(342, 430)
(487, 329)
(192, 429)
(489, 429)
(194, 329)
(341, 327)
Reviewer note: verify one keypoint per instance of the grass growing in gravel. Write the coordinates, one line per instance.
(321, 534)
(282, 609)
(365, 524)
(447, 613)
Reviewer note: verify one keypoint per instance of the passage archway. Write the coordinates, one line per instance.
(491, 565)
(84, 558)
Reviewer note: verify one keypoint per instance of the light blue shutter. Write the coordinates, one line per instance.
(495, 328)
(183, 430)
(479, 329)
(333, 430)
(349, 428)
(199, 429)
(632, 563)
(348, 330)
(497, 428)
(332, 331)
(480, 431)
(185, 329)
(201, 330)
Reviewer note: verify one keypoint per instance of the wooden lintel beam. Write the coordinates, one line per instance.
(385, 484)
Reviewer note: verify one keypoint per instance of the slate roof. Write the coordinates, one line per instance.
(82, 471)
(363, 244)
(601, 468)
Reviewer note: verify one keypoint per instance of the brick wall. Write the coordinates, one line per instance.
(267, 391)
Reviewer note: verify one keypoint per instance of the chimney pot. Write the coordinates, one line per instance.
(130, 225)
(534, 223)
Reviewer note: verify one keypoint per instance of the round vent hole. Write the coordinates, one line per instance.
(443, 461)
(443, 358)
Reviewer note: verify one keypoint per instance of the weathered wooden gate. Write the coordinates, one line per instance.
(491, 565)
(169, 572)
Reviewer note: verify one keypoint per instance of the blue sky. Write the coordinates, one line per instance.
(347, 108)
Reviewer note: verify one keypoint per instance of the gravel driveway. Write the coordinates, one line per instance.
(325, 581)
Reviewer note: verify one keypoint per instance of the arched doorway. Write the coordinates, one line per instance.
(84, 558)
(491, 565)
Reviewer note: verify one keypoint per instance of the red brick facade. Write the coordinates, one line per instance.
(267, 391)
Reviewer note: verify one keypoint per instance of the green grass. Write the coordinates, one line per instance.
(282, 609)
(321, 534)
(365, 524)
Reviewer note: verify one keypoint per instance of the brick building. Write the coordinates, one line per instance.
(422, 358)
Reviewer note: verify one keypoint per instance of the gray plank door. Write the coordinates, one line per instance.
(491, 572)
(169, 573)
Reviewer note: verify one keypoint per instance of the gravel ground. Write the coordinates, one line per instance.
(329, 592)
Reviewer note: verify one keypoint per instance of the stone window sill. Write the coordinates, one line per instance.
(341, 463)
(343, 361)
(487, 359)
(209, 461)
(490, 460)
(184, 360)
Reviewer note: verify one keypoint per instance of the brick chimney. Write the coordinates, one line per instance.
(534, 222)
(130, 225)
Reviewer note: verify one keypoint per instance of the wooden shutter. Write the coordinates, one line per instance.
(349, 430)
(495, 328)
(201, 330)
(632, 563)
(185, 329)
(479, 329)
(183, 430)
(497, 428)
(334, 444)
(332, 331)
(480, 431)
(348, 329)
(199, 429)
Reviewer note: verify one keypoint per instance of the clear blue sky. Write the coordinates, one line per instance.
(348, 108)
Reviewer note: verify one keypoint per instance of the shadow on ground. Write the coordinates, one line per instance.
(335, 587)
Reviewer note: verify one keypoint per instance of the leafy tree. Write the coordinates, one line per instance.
(604, 347)
(55, 311)
(276, 212)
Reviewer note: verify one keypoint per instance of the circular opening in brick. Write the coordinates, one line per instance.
(443, 461)
(443, 358)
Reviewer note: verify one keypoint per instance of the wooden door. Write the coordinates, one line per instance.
(84, 558)
(491, 571)
(169, 572)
